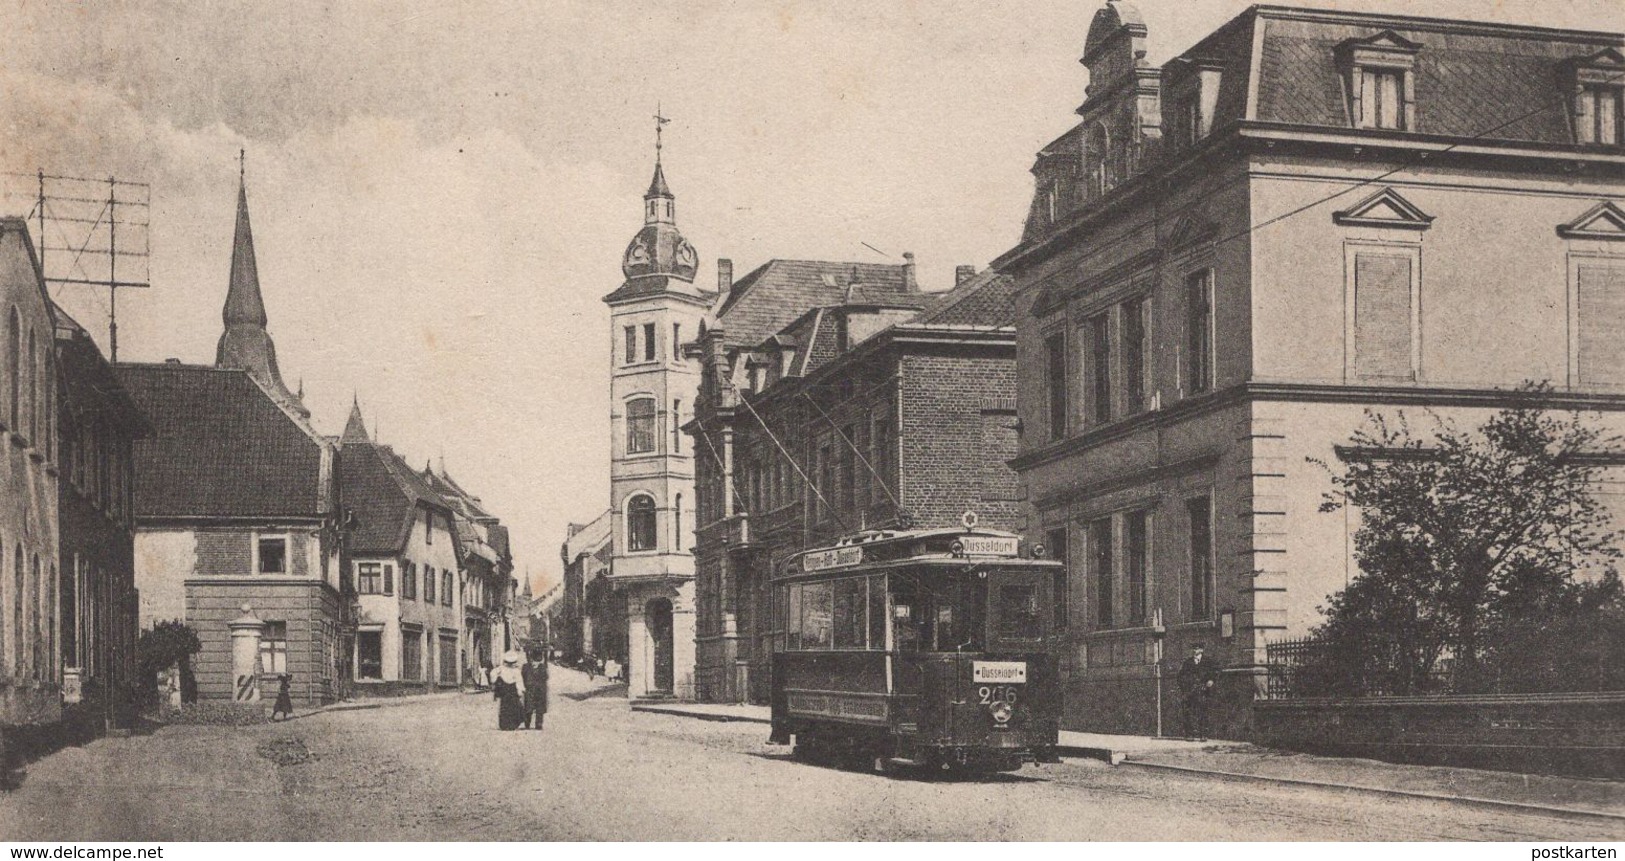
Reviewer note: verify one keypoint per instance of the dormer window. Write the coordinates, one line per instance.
(1192, 97)
(1597, 115)
(1597, 88)
(1380, 76)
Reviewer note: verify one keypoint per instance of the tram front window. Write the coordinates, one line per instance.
(939, 613)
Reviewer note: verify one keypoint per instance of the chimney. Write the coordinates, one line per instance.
(963, 273)
(910, 283)
(725, 275)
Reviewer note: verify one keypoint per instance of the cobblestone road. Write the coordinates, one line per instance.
(439, 770)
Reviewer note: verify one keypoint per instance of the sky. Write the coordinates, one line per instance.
(441, 191)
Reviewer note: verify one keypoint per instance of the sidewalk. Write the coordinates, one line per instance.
(1225, 760)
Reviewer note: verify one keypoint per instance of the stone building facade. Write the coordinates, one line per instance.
(97, 426)
(875, 407)
(30, 684)
(652, 387)
(1307, 215)
(402, 559)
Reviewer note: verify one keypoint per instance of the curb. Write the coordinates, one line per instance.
(716, 718)
(1496, 804)
(1104, 754)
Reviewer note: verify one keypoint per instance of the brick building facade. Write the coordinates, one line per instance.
(1233, 256)
(874, 407)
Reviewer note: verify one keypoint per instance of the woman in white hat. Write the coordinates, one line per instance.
(508, 687)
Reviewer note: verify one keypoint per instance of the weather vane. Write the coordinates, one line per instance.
(660, 125)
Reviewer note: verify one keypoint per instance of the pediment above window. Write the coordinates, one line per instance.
(1606, 220)
(1191, 230)
(1602, 68)
(1385, 46)
(1386, 208)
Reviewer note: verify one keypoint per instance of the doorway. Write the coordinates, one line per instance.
(658, 614)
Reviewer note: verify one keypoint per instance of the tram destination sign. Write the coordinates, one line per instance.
(990, 545)
(1009, 672)
(839, 557)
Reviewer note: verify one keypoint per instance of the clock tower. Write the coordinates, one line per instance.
(652, 389)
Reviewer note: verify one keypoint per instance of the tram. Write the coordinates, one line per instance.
(928, 647)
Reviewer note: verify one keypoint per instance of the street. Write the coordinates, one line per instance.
(437, 769)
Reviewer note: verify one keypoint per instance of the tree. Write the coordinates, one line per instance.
(165, 645)
(1468, 543)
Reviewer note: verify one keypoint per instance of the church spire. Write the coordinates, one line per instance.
(244, 304)
(355, 430)
(245, 344)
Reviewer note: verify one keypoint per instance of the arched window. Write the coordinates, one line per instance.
(37, 622)
(33, 388)
(677, 522)
(14, 368)
(1098, 160)
(17, 628)
(640, 523)
(640, 426)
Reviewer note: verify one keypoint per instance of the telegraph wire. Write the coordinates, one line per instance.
(811, 485)
(849, 444)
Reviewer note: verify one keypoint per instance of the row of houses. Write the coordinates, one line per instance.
(136, 494)
(1228, 260)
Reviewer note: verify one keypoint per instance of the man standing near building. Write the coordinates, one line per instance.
(1197, 677)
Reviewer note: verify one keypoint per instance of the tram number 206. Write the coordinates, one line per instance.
(989, 694)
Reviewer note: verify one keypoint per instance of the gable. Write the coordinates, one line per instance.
(1606, 220)
(1386, 208)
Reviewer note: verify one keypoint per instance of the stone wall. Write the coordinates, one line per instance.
(1578, 733)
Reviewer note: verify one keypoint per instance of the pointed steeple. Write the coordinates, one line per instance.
(657, 186)
(355, 430)
(244, 305)
(245, 344)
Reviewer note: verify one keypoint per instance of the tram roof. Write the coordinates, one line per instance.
(884, 550)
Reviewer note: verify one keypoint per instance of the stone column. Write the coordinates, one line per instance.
(246, 631)
(639, 647)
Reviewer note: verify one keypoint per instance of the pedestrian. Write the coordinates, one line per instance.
(592, 667)
(284, 697)
(508, 688)
(535, 677)
(1197, 677)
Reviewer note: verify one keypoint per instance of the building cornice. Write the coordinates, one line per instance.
(1321, 393)
(1452, 26)
(1244, 138)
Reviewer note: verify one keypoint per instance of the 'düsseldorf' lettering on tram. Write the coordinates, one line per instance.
(930, 647)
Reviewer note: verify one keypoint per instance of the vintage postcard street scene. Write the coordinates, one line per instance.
(1077, 420)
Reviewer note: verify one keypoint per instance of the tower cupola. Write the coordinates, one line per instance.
(659, 249)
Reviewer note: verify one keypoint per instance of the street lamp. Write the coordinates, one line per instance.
(1158, 632)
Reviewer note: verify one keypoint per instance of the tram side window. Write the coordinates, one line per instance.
(877, 612)
(839, 614)
(851, 604)
(792, 621)
(817, 615)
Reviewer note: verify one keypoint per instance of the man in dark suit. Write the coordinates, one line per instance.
(1197, 678)
(535, 675)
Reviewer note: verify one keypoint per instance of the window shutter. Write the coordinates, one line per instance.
(1602, 319)
(1382, 316)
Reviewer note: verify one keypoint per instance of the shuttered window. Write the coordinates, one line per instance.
(1601, 322)
(1382, 316)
